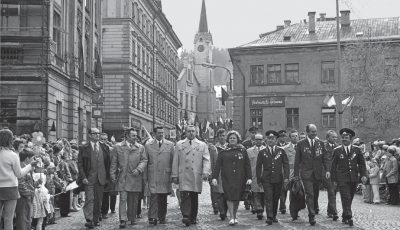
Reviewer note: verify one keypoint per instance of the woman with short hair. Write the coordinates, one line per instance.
(234, 165)
(10, 171)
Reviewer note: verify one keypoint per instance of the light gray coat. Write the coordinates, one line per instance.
(159, 166)
(125, 161)
(253, 154)
(191, 162)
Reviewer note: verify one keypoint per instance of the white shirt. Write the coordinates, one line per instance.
(347, 149)
(95, 145)
(159, 142)
(311, 141)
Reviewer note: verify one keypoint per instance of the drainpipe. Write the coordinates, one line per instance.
(244, 97)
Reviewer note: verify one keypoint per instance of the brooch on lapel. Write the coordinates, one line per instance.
(318, 151)
(341, 156)
(240, 156)
(307, 150)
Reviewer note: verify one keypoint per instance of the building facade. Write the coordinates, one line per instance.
(49, 65)
(282, 79)
(188, 92)
(139, 66)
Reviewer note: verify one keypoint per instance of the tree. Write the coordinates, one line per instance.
(373, 76)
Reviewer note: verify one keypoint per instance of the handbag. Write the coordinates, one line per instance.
(247, 193)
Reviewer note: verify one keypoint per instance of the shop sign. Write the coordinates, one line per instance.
(135, 123)
(267, 102)
(97, 112)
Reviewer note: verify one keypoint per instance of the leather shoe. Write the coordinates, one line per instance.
(330, 216)
(345, 221)
(153, 221)
(139, 216)
(215, 212)
(283, 212)
(96, 224)
(186, 222)
(89, 225)
(312, 222)
(163, 222)
(275, 220)
(122, 224)
(104, 216)
(222, 216)
(316, 211)
(268, 221)
(193, 222)
(335, 218)
(133, 223)
(350, 223)
(259, 216)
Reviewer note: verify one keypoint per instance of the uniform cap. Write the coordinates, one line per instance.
(347, 131)
(271, 133)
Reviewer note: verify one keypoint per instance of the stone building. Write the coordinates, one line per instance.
(139, 66)
(282, 78)
(48, 66)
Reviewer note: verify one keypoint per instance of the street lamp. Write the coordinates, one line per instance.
(212, 66)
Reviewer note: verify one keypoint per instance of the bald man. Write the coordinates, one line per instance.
(94, 173)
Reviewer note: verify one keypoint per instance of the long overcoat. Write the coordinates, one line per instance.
(191, 162)
(159, 166)
(253, 154)
(214, 157)
(125, 160)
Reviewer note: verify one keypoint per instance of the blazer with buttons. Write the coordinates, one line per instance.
(272, 167)
(347, 167)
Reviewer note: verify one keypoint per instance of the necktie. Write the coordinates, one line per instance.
(190, 142)
(159, 144)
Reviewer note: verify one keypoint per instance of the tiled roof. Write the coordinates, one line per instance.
(325, 31)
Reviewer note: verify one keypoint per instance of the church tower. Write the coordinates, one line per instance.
(203, 50)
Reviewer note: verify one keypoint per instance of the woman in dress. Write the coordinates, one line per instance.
(234, 165)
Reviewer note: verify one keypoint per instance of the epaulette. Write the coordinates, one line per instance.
(338, 147)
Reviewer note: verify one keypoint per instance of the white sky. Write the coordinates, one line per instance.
(236, 22)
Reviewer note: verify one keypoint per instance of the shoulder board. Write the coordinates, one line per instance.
(338, 147)
(355, 146)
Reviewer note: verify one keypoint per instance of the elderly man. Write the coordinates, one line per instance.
(191, 164)
(258, 192)
(310, 163)
(128, 164)
(290, 150)
(347, 164)
(330, 145)
(94, 174)
(160, 153)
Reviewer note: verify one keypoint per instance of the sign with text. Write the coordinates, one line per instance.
(267, 102)
(136, 123)
(97, 112)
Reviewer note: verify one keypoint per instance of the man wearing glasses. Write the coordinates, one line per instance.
(94, 174)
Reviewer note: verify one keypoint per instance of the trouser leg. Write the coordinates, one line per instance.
(186, 204)
(316, 185)
(195, 205)
(23, 213)
(113, 202)
(258, 202)
(64, 203)
(98, 200)
(89, 202)
(309, 191)
(331, 210)
(123, 198)
(345, 196)
(282, 199)
(7, 210)
(132, 199)
(277, 190)
(221, 202)
(139, 206)
(105, 206)
(268, 200)
(153, 206)
(162, 206)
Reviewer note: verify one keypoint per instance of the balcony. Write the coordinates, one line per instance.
(23, 34)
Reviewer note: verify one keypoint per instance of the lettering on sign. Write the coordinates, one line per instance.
(267, 102)
(136, 123)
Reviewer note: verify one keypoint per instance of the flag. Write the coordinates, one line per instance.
(220, 120)
(178, 127)
(348, 101)
(224, 96)
(148, 136)
(81, 66)
(326, 99)
(331, 102)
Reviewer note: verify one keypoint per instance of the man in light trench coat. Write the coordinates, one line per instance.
(128, 164)
(160, 153)
(190, 166)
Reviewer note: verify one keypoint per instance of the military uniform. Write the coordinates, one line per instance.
(272, 169)
(345, 170)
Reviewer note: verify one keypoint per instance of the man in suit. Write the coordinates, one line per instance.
(160, 153)
(190, 166)
(290, 150)
(330, 145)
(127, 168)
(257, 191)
(218, 191)
(272, 171)
(311, 161)
(94, 174)
(347, 164)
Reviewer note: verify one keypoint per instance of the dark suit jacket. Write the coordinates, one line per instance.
(272, 167)
(348, 167)
(85, 165)
(309, 162)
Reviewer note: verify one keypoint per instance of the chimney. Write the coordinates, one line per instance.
(279, 27)
(345, 18)
(311, 22)
(287, 23)
(322, 16)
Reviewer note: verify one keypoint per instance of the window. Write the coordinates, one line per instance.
(274, 74)
(187, 101)
(88, 120)
(328, 118)
(191, 102)
(8, 113)
(143, 59)
(133, 52)
(139, 93)
(134, 11)
(292, 118)
(391, 67)
(143, 100)
(151, 104)
(139, 15)
(328, 72)
(189, 75)
(256, 117)
(292, 73)
(134, 98)
(57, 32)
(87, 46)
(138, 56)
(257, 74)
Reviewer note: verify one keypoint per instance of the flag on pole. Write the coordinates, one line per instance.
(326, 99)
(148, 136)
(224, 96)
(331, 102)
(348, 101)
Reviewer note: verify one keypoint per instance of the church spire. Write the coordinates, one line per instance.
(203, 27)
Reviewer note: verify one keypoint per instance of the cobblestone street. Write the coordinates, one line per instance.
(366, 216)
